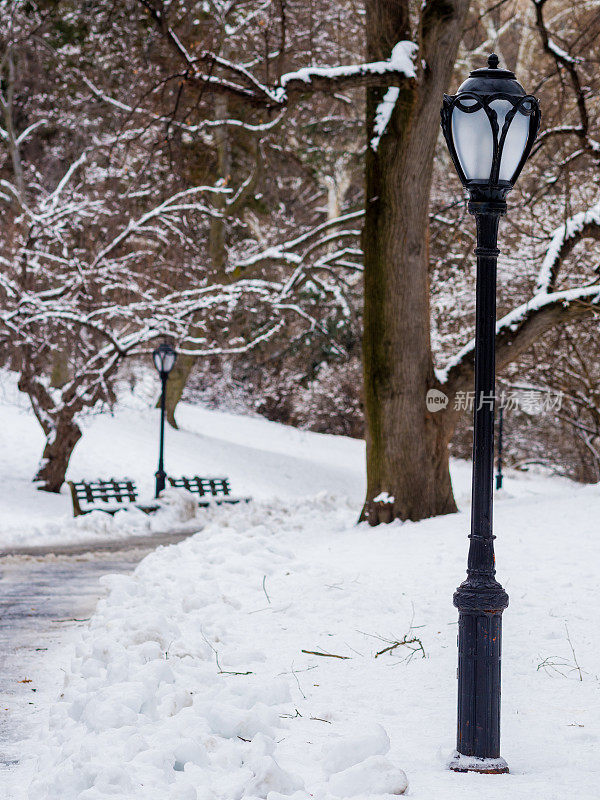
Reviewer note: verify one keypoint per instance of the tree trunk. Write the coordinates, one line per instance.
(217, 249)
(60, 443)
(407, 445)
(178, 378)
(217, 253)
(59, 373)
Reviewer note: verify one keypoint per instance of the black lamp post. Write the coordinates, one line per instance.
(164, 359)
(490, 126)
(499, 476)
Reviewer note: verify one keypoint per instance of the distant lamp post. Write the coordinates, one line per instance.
(499, 475)
(490, 126)
(164, 360)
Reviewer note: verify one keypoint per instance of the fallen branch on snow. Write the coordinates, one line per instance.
(325, 655)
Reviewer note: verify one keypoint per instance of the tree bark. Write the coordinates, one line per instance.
(407, 445)
(60, 443)
(216, 246)
(176, 384)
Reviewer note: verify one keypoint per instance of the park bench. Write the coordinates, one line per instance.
(211, 491)
(104, 495)
(112, 495)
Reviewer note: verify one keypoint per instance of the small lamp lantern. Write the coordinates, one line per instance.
(490, 126)
(164, 358)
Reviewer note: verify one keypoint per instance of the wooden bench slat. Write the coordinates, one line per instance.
(98, 493)
(106, 496)
(214, 487)
(210, 490)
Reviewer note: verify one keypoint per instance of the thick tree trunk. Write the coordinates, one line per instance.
(60, 443)
(407, 445)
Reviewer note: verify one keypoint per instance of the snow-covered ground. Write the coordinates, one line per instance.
(262, 459)
(199, 677)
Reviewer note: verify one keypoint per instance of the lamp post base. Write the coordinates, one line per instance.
(161, 478)
(479, 658)
(488, 766)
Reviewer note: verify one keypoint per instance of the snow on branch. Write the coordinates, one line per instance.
(180, 201)
(563, 238)
(561, 54)
(399, 64)
(238, 81)
(292, 85)
(192, 129)
(285, 252)
(53, 197)
(246, 347)
(591, 145)
(24, 135)
(242, 73)
(68, 297)
(518, 329)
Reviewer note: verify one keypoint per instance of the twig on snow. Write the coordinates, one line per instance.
(325, 655)
(577, 667)
(223, 671)
(298, 682)
(408, 642)
(265, 590)
(229, 672)
(291, 716)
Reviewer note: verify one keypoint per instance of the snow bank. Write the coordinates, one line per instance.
(178, 512)
(172, 692)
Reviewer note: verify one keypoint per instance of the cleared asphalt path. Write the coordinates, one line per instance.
(44, 592)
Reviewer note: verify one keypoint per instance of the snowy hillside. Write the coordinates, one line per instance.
(262, 459)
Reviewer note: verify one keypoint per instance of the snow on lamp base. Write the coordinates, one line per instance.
(460, 763)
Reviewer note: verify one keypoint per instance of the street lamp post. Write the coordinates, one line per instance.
(499, 476)
(490, 126)
(164, 359)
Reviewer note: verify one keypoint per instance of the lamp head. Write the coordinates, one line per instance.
(164, 358)
(490, 126)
